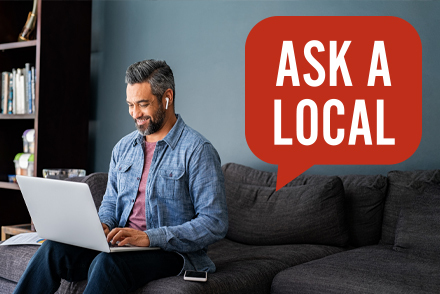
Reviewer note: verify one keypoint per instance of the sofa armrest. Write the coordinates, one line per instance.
(97, 183)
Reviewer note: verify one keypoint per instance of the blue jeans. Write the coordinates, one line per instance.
(106, 272)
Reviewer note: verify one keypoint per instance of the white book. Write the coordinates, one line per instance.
(18, 89)
(17, 94)
(21, 103)
(26, 84)
(14, 91)
(26, 88)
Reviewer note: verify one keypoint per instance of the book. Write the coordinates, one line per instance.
(1, 94)
(17, 91)
(4, 92)
(14, 91)
(19, 99)
(20, 95)
(33, 88)
(29, 91)
(26, 70)
(11, 94)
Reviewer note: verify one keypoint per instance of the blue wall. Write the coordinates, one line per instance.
(204, 43)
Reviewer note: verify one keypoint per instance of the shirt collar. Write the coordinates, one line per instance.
(171, 138)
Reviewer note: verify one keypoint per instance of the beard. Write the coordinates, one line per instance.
(152, 126)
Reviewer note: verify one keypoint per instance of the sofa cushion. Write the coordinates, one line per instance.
(242, 268)
(364, 204)
(418, 227)
(97, 183)
(311, 214)
(14, 259)
(364, 197)
(403, 188)
(7, 286)
(370, 269)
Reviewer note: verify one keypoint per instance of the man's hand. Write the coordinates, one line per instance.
(128, 236)
(106, 229)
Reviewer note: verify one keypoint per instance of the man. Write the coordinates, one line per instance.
(165, 189)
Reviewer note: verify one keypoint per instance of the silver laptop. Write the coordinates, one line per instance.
(64, 211)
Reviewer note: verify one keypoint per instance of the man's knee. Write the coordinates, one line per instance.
(50, 248)
(103, 263)
(55, 249)
(53, 245)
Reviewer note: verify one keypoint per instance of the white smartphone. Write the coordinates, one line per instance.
(195, 276)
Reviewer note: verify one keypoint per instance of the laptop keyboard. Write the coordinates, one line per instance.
(116, 245)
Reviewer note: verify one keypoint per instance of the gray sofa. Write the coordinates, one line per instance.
(405, 260)
(319, 234)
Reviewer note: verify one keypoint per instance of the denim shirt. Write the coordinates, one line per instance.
(185, 201)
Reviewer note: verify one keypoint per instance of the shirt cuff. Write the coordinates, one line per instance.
(108, 222)
(157, 237)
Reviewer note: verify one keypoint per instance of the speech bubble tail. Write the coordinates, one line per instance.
(287, 173)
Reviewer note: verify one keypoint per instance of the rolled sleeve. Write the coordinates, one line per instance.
(107, 210)
(157, 237)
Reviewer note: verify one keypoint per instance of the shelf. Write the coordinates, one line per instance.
(13, 45)
(17, 116)
(11, 186)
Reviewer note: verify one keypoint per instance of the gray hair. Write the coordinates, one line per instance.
(156, 72)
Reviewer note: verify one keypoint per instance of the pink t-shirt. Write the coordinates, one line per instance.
(137, 220)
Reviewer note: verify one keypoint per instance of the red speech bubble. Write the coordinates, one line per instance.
(332, 90)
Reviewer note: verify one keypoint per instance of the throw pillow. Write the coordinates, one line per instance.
(418, 227)
(364, 203)
(364, 197)
(312, 214)
(403, 188)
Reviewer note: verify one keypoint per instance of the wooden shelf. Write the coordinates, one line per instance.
(17, 116)
(13, 45)
(9, 231)
(11, 186)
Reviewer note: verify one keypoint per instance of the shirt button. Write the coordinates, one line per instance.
(132, 200)
(138, 179)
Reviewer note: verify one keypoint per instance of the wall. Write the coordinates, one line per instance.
(204, 43)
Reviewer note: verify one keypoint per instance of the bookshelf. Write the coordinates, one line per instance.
(61, 56)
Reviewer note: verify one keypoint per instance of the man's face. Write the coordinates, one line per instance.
(144, 108)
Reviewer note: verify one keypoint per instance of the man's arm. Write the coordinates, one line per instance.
(207, 191)
(107, 210)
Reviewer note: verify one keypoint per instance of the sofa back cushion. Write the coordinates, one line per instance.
(404, 187)
(364, 204)
(97, 183)
(418, 226)
(363, 200)
(260, 215)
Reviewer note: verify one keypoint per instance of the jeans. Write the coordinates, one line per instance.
(106, 272)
